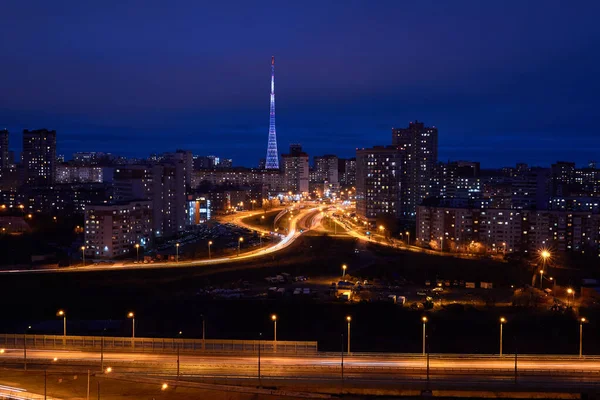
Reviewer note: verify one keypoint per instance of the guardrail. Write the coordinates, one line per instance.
(157, 345)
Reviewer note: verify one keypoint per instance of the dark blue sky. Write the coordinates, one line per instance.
(504, 81)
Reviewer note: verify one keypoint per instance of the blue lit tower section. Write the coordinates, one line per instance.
(272, 157)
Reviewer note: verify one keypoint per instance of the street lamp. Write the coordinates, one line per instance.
(541, 278)
(132, 316)
(240, 240)
(408, 239)
(502, 322)
(260, 238)
(63, 314)
(344, 268)
(424, 319)
(209, 244)
(137, 252)
(83, 254)
(582, 320)
(176, 252)
(570, 292)
(274, 319)
(348, 318)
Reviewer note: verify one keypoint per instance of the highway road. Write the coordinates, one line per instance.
(300, 223)
(375, 365)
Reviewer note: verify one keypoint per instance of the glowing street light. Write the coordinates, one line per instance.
(209, 244)
(408, 238)
(176, 252)
(63, 314)
(424, 319)
(541, 278)
(164, 386)
(108, 370)
(582, 321)
(502, 322)
(349, 319)
(132, 316)
(570, 292)
(240, 240)
(83, 254)
(274, 319)
(344, 268)
(137, 250)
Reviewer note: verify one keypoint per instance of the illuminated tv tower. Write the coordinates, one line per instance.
(272, 161)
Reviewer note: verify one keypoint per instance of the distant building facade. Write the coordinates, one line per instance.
(39, 156)
(113, 230)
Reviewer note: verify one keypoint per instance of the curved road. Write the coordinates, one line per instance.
(299, 224)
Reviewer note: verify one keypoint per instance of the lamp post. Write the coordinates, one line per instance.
(274, 319)
(177, 252)
(441, 243)
(570, 292)
(83, 254)
(348, 318)
(240, 240)
(132, 316)
(424, 319)
(502, 321)
(344, 268)
(137, 252)
(209, 244)
(541, 278)
(382, 229)
(582, 320)
(408, 238)
(61, 313)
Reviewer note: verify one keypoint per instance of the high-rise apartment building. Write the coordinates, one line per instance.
(420, 145)
(4, 152)
(39, 156)
(379, 182)
(164, 185)
(326, 169)
(295, 170)
(113, 230)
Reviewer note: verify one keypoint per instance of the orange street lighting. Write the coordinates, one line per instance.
(132, 316)
(176, 252)
(164, 386)
(424, 319)
(209, 244)
(61, 313)
(108, 370)
(344, 268)
(274, 319)
(582, 320)
(55, 359)
(1, 351)
(348, 318)
(502, 321)
(240, 240)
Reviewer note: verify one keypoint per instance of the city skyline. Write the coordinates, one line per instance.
(497, 88)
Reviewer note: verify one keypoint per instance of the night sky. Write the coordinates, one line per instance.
(504, 81)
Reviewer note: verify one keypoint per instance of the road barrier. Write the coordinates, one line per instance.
(157, 345)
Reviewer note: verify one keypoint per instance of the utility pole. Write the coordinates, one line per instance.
(342, 359)
(259, 381)
(88, 386)
(177, 360)
(25, 350)
(101, 355)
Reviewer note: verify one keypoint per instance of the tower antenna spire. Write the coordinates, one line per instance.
(272, 161)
